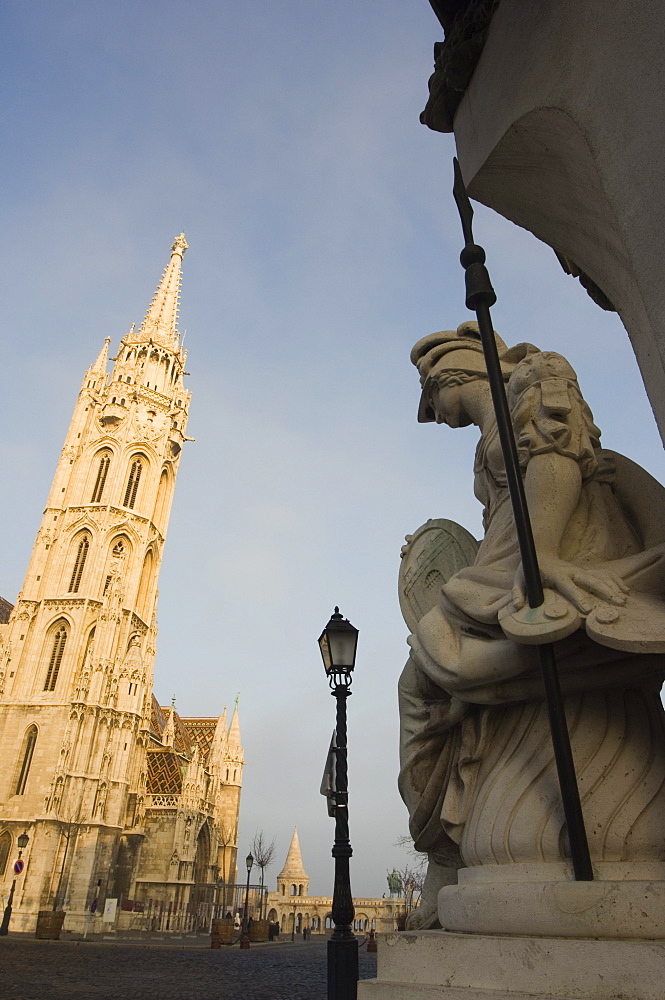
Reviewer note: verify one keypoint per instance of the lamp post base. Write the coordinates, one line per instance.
(343, 969)
(7, 916)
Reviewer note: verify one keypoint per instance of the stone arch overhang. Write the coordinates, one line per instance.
(543, 173)
(102, 443)
(83, 523)
(6, 842)
(205, 825)
(138, 447)
(124, 527)
(202, 856)
(23, 764)
(33, 724)
(59, 614)
(164, 491)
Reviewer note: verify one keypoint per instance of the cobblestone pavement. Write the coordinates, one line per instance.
(64, 970)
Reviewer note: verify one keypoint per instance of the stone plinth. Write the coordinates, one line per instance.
(531, 931)
(625, 901)
(441, 965)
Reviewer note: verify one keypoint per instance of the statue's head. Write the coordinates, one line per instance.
(455, 357)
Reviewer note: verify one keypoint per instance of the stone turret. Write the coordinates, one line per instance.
(227, 762)
(293, 880)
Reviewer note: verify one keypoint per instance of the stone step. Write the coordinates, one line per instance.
(453, 966)
(374, 989)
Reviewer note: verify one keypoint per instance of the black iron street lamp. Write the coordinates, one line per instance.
(244, 939)
(338, 643)
(22, 843)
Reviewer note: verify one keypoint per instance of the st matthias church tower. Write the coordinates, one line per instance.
(78, 721)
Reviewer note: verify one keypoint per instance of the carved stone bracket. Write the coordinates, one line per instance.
(465, 24)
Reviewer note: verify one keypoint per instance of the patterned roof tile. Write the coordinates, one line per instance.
(164, 772)
(201, 731)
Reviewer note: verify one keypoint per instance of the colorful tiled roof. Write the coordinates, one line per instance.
(164, 772)
(187, 731)
(157, 719)
(182, 743)
(201, 731)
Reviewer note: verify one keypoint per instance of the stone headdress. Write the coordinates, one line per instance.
(458, 350)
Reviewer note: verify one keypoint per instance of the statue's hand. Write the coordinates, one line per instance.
(583, 586)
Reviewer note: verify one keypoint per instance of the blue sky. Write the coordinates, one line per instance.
(324, 242)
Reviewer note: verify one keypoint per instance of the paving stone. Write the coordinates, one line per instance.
(74, 970)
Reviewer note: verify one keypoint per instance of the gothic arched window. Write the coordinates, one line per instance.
(88, 648)
(57, 650)
(145, 586)
(100, 481)
(133, 483)
(162, 501)
(28, 749)
(77, 572)
(5, 847)
(100, 801)
(56, 798)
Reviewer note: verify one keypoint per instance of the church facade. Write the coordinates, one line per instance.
(121, 799)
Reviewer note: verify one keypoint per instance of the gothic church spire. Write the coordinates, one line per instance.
(234, 743)
(98, 367)
(161, 321)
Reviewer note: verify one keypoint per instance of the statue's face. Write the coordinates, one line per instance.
(448, 404)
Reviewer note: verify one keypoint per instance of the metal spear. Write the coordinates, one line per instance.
(479, 297)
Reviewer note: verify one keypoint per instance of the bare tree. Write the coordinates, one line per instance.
(264, 852)
(419, 857)
(68, 821)
(412, 874)
(412, 882)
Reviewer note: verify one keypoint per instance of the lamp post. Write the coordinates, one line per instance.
(244, 939)
(22, 842)
(338, 643)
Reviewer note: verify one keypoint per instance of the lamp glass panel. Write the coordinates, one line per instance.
(325, 651)
(342, 647)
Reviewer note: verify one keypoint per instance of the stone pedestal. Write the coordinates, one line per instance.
(441, 965)
(626, 901)
(531, 931)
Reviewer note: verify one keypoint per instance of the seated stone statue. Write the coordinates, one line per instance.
(477, 768)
